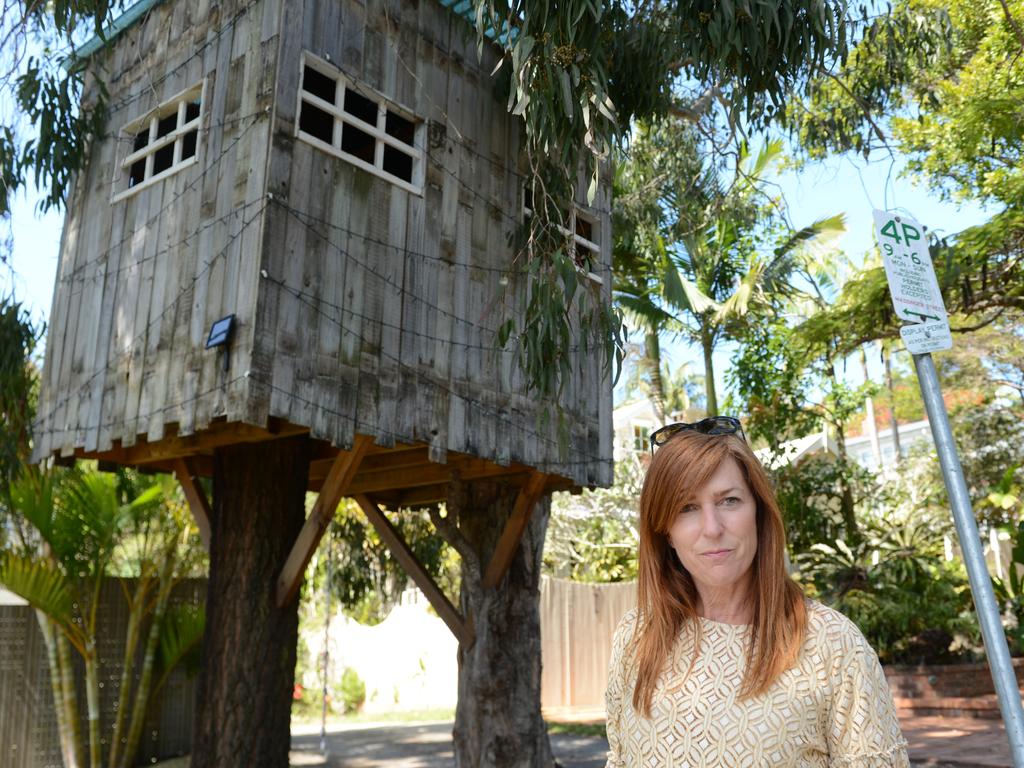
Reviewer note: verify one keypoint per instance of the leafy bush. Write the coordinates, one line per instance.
(353, 691)
(912, 605)
(592, 536)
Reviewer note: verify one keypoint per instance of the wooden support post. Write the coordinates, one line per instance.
(196, 497)
(394, 541)
(338, 479)
(514, 527)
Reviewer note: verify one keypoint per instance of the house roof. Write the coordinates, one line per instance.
(463, 8)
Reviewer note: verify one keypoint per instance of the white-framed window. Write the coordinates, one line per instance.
(160, 143)
(641, 437)
(359, 125)
(584, 229)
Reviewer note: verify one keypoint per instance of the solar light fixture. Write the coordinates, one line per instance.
(220, 336)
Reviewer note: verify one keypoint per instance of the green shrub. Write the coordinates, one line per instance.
(353, 691)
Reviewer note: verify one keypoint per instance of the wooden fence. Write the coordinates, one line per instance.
(28, 725)
(577, 622)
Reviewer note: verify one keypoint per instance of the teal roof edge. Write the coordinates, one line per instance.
(463, 8)
(117, 26)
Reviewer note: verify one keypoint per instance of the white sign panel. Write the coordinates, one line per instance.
(926, 337)
(908, 267)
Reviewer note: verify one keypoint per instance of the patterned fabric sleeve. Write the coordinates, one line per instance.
(615, 694)
(863, 729)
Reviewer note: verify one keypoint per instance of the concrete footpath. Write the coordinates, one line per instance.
(418, 745)
(939, 742)
(956, 742)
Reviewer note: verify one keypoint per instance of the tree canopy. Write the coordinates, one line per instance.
(942, 85)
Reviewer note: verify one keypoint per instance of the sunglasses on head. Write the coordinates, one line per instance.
(713, 425)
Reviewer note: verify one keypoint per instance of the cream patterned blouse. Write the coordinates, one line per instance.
(833, 708)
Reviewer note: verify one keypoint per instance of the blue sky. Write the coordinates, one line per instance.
(839, 185)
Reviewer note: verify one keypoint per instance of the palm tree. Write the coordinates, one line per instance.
(689, 252)
(80, 529)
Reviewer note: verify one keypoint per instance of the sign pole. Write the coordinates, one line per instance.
(977, 571)
(917, 299)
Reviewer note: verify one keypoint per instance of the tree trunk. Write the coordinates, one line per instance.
(846, 505)
(70, 696)
(497, 721)
(869, 413)
(887, 357)
(142, 691)
(70, 744)
(244, 691)
(708, 345)
(652, 359)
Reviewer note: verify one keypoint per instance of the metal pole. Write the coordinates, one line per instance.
(970, 542)
(327, 638)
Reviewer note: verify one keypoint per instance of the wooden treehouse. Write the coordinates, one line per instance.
(283, 267)
(300, 222)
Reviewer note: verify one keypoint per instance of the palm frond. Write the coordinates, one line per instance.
(816, 239)
(32, 496)
(739, 303)
(40, 583)
(180, 636)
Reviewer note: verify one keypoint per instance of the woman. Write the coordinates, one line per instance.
(724, 662)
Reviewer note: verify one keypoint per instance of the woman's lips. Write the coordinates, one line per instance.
(717, 554)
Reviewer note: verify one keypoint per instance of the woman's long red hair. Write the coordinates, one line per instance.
(667, 596)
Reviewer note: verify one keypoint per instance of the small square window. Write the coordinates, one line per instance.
(137, 173)
(188, 144)
(397, 163)
(360, 106)
(375, 135)
(317, 123)
(163, 159)
(166, 124)
(160, 142)
(641, 437)
(319, 84)
(358, 143)
(400, 128)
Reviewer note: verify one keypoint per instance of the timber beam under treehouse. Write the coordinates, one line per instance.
(401, 476)
(377, 477)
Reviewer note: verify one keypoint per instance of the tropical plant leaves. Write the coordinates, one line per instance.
(40, 583)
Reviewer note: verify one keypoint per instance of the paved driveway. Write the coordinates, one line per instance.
(419, 745)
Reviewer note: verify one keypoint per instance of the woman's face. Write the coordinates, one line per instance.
(715, 533)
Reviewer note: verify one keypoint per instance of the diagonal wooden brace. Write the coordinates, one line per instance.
(514, 528)
(196, 497)
(400, 549)
(339, 477)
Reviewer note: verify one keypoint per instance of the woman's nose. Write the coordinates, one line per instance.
(711, 523)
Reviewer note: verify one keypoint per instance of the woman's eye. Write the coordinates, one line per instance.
(731, 500)
(688, 508)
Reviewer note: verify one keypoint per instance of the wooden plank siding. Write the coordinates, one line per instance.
(363, 308)
(141, 279)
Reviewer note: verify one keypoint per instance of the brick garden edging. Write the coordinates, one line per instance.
(955, 690)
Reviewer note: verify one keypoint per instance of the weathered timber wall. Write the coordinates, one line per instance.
(142, 279)
(28, 725)
(381, 305)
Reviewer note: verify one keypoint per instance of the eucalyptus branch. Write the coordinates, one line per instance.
(980, 325)
(1018, 32)
(450, 533)
(864, 108)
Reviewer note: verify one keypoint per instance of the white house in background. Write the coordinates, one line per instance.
(858, 448)
(634, 421)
